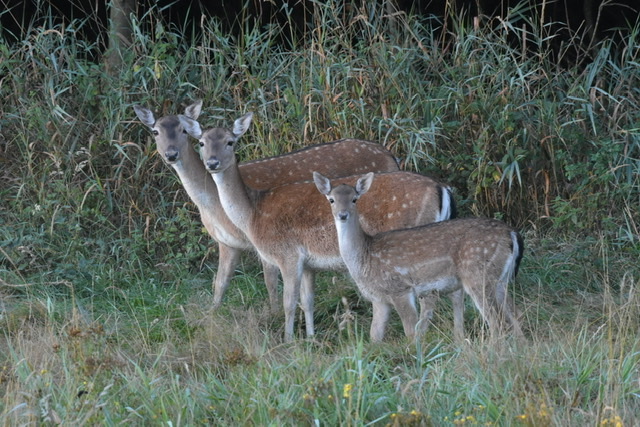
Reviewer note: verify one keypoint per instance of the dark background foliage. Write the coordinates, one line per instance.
(598, 18)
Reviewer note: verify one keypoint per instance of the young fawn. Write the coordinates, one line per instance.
(290, 225)
(347, 156)
(392, 269)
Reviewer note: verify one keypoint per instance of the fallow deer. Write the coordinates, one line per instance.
(478, 255)
(339, 157)
(290, 225)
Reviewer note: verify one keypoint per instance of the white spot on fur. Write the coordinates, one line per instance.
(402, 271)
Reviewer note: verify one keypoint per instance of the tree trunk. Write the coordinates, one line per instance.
(120, 32)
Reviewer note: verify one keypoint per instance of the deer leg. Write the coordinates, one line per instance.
(484, 298)
(379, 320)
(228, 258)
(457, 302)
(306, 299)
(507, 307)
(291, 278)
(512, 317)
(508, 312)
(270, 273)
(405, 305)
(427, 305)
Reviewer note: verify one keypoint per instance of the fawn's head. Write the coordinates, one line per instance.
(171, 138)
(217, 145)
(343, 198)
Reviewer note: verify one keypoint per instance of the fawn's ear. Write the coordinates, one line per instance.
(322, 183)
(191, 126)
(194, 110)
(145, 115)
(241, 125)
(364, 183)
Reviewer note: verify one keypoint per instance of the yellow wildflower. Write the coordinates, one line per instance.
(346, 390)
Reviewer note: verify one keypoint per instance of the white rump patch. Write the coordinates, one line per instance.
(509, 268)
(445, 212)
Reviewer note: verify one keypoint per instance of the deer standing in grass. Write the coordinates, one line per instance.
(344, 156)
(479, 255)
(290, 225)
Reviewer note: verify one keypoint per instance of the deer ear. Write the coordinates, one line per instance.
(364, 183)
(194, 109)
(191, 126)
(145, 115)
(241, 125)
(322, 183)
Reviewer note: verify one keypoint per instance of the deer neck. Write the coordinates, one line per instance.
(236, 198)
(196, 181)
(354, 245)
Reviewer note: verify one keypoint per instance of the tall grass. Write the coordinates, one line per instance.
(105, 270)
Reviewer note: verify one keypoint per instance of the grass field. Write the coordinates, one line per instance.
(105, 269)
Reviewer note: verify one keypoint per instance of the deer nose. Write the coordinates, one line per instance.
(213, 164)
(171, 155)
(343, 216)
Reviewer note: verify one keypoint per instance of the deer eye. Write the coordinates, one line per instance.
(355, 199)
(184, 131)
(230, 143)
(201, 144)
(155, 132)
(331, 200)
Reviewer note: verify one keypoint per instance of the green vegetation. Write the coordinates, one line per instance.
(105, 270)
